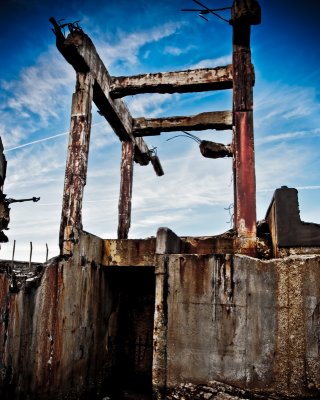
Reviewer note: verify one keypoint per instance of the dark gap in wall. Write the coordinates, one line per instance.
(131, 332)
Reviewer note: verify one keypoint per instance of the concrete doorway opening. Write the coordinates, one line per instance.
(131, 332)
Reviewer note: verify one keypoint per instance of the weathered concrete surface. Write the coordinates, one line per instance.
(126, 181)
(219, 120)
(169, 243)
(54, 335)
(81, 325)
(129, 252)
(253, 324)
(58, 333)
(202, 79)
(77, 160)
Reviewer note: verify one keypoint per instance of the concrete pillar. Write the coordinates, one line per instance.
(77, 160)
(167, 243)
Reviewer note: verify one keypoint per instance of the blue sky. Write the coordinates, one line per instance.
(36, 85)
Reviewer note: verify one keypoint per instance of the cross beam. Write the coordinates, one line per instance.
(219, 120)
(95, 82)
(194, 80)
(81, 53)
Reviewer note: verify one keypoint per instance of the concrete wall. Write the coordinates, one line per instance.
(246, 322)
(85, 322)
(50, 341)
(60, 333)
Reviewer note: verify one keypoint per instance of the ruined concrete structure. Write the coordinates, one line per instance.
(166, 315)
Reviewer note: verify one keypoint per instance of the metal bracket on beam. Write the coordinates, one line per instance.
(215, 150)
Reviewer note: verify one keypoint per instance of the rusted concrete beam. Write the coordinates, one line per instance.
(77, 161)
(220, 244)
(243, 93)
(194, 80)
(215, 150)
(81, 53)
(129, 252)
(219, 120)
(244, 183)
(125, 190)
(245, 13)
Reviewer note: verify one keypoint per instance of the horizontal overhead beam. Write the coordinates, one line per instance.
(194, 80)
(81, 53)
(219, 120)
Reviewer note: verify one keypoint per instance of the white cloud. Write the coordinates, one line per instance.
(174, 51)
(280, 165)
(128, 46)
(287, 136)
(190, 182)
(277, 102)
(213, 62)
(150, 105)
(177, 51)
(40, 90)
(11, 135)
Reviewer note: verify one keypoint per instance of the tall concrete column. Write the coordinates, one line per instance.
(244, 14)
(167, 243)
(77, 161)
(126, 172)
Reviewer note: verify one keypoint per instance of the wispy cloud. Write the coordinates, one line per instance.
(276, 102)
(128, 46)
(177, 51)
(189, 183)
(11, 135)
(150, 105)
(279, 161)
(40, 90)
(212, 62)
(287, 136)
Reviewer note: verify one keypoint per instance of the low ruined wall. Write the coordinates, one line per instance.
(246, 322)
(76, 327)
(54, 331)
(85, 321)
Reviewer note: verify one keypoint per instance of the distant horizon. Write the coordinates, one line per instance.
(195, 194)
